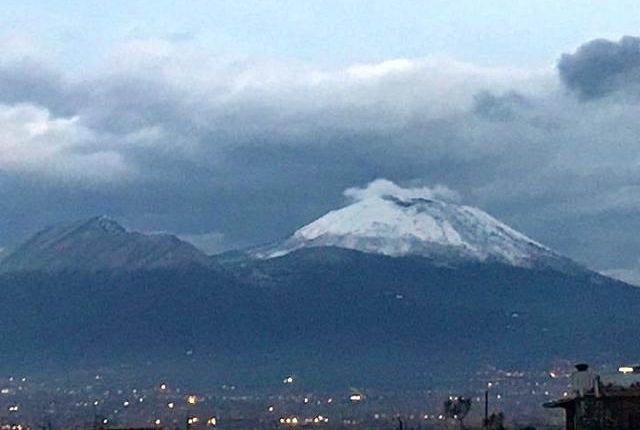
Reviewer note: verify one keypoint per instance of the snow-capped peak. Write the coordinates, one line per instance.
(398, 222)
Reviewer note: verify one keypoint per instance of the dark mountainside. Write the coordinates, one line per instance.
(335, 316)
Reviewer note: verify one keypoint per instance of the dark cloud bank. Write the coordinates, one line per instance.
(166, 137)
(601, 67)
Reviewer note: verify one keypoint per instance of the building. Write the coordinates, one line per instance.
(607, 402)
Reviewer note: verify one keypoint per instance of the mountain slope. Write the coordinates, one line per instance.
(333, 316)
(96, 244)
(396, 225)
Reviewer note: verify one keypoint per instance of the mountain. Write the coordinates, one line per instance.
(391, 291)
(334, 317)
(398, 226)
(99, 243)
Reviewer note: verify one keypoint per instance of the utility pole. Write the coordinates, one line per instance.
(485, 423)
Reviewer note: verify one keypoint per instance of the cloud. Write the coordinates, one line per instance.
(155, 104)
(34, 142)
(503, 107)
(602, 67)
(27, 77)
(384, 188)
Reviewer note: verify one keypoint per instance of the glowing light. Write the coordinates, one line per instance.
(553, 374)
(192, 399)
(212, 421)
(14, 408)
(157, 421)
(288, 380)
(625, 369)
(357, 397)
(270, 408)
(318, 419)
(163, 386)
(289, 421)
(125, 403)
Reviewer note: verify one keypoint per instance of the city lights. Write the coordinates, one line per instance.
(287, 408)
(356, 397)
(289, 421)
(320, 419)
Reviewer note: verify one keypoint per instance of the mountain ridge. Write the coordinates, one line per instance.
(98, 243)
(389, 224)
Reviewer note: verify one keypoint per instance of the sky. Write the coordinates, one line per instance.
(234, 123)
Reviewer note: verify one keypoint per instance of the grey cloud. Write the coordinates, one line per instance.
(28, 80)
(499, 107)
(602, 67)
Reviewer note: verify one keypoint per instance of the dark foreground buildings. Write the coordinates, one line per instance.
(607, 402)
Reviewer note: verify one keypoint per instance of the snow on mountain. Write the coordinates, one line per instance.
(398, 222)
(99, 243)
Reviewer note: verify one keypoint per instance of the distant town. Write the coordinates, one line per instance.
(85, 400)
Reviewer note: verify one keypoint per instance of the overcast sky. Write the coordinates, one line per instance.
(234, 123)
